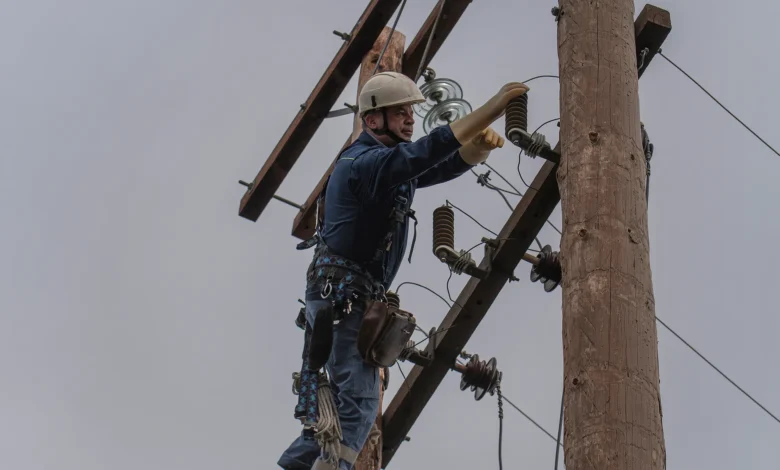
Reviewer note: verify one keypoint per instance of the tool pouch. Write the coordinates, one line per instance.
(321, 339)
(384, 333)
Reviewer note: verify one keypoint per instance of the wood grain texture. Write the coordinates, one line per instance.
(611, 377)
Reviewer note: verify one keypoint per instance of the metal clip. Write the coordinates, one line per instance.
(326, 290)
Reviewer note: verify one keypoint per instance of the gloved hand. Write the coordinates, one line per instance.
(488, 139)
(506, 94)
(470, 126)
(478, 149)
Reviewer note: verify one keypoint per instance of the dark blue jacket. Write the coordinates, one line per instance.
(368, 181)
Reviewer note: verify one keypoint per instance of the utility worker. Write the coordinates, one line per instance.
(360, 244)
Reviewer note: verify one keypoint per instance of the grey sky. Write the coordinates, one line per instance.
(146, 326)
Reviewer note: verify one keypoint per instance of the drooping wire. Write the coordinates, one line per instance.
(437, 332)
(530, 419)
(718, 370)
(470, 217)
(500, 425)
(540, 76)
(718, 102)
(484, 180)
(428, 44)
(459, 259)
(517, 191)
(389, 38)
(519, 158)
(560, 426)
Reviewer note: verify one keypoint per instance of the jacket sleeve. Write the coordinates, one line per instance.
(380, 168)
(448, 170)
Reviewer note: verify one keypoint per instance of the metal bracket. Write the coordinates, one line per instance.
(349, 109)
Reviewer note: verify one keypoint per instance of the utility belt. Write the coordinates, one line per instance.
(385, 329)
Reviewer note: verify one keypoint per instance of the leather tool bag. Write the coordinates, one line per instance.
(384, 333)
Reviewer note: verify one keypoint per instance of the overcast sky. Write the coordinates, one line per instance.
(146, 326)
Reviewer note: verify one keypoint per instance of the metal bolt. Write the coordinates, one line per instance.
(557, 13)
(344, 36)
(244, 183)
(303, 106)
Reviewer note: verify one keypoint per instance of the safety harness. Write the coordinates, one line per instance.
(343, 282)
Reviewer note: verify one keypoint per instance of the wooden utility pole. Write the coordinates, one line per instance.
(370, 457)
(611, 381)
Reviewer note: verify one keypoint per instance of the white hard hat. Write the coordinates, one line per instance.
(388, 89)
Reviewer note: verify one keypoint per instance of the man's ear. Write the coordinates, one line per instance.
(371, 120)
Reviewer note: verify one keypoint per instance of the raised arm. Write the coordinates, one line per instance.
(472, 153)
(382, 168)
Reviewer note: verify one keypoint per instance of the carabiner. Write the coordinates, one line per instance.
(326, 290)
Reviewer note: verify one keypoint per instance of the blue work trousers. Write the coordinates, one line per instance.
(354, 383)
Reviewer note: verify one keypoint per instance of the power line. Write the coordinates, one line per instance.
(500, 425)
(719, 103)
(531, 420)
(470, 217)
(519, 158)
(540, 76)
(560, 426)
(503, 178)
(484, 181)
(428, 44)
(389, 38)
(718, 370)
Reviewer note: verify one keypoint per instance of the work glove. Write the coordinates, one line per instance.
(470, 126)
(478, 149)
(488, 139)
(506, 94)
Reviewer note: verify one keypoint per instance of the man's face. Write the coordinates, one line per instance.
(400, 121)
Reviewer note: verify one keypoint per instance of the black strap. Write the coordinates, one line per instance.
(414, 239)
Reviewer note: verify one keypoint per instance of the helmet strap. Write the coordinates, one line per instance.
(385, 130)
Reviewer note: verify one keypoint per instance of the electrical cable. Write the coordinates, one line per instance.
(389, 38)
(470, 217)
(503, 178)
(530, 419)
(397, 289)
(717, 370)
(560, 426)
(500, 425)
(484, 180)
(520, 159)
(521, 152)
(428, 44)
(718, 102)
(540, 76)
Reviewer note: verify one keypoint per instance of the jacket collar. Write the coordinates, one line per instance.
(367, 139)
